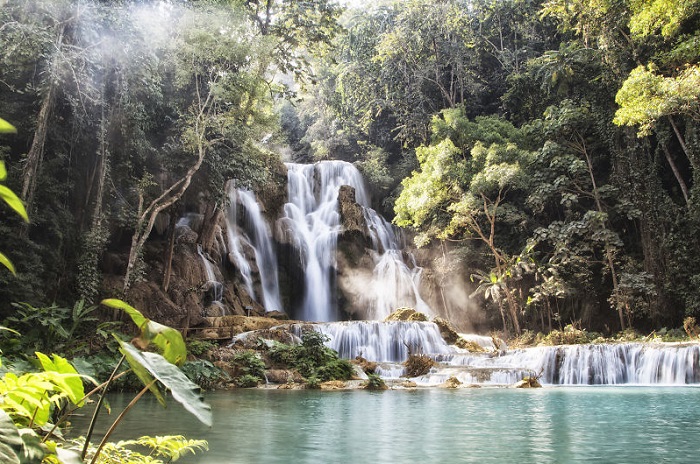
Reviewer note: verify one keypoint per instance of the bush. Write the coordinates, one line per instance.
(375, 382)
(197, 347)
(204, 373)
(312, 359)
(248, 368)
(247, 381)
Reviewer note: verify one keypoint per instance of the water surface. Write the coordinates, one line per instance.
(550, 425)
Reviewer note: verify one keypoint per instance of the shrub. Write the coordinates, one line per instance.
(247, 381)
(374, 382)
(204, 373)
(247, 366)
(197, 347)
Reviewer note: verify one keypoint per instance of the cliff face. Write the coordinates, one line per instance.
(215, 264)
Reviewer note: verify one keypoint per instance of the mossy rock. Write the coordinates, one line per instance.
(470, 346)
(452, 382)
(528, 382)
(417, 365)
(334, 385)
(406, 314)
(447, 330)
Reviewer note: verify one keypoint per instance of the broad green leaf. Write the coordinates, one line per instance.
(3, 171)
(183, 390)
(166, 338)
(13, 201)
(32, 451)
(68, 377)
(6, 127)
(7, 263)
(139, 369)
(10, 440)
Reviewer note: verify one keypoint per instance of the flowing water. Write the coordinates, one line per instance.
(311, 224)
(550, 425)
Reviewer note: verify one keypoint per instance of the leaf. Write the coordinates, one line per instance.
(7, 263)
(10, 441)
(183, 390)
(13, 201)
(6, 127)
(139, 369)
(166, 338)
(3, 171)
(69, 379)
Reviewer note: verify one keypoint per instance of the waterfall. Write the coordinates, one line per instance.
(216, 287)
(605, 364)
(381, 341)
(255, 234)
(313, 220)
(313, 223)
(389, 343)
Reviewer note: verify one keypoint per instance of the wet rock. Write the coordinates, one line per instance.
(283, 376)
(469, 345)
(368, 367)
(452, 382)
(351, 216)
(409, 384)
(406, 314)
(528, 382)
(333, 385)
(447, 330)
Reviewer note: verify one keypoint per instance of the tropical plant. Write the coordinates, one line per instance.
(30, 400)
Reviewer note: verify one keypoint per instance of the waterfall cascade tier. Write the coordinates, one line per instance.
(311, 227)
(389, 343)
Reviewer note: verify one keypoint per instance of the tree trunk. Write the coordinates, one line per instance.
(676, 172)
(168, 266)
(36, 151)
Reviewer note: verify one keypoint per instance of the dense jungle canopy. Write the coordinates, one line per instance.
(549, 150)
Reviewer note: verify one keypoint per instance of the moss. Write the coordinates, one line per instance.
(374, 382)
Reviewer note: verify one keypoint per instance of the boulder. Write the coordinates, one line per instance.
(406, 314)
(528, 382)
(452, 382)
(447, 330)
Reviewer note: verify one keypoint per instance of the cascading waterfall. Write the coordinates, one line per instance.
(257, 237)
(313, 220)
(217, 288)
(381, 341)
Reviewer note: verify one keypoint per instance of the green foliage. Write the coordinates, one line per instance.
(249, 368)
(312, 358)
(204, 373)
(163, 449)
(197, 347)
(374, 382)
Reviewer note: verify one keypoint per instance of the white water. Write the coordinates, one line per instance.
(253, 234)
(216, 286)
(605, 364)
(313, 222)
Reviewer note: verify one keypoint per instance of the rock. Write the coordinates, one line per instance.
(283, 376)
(452, 382)
(185, 236)
(528, 382)
(409, 384)
(406, 314)
(351, 216)
(447, 330)
(368, 367)
(333, 385)
(469, 346)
